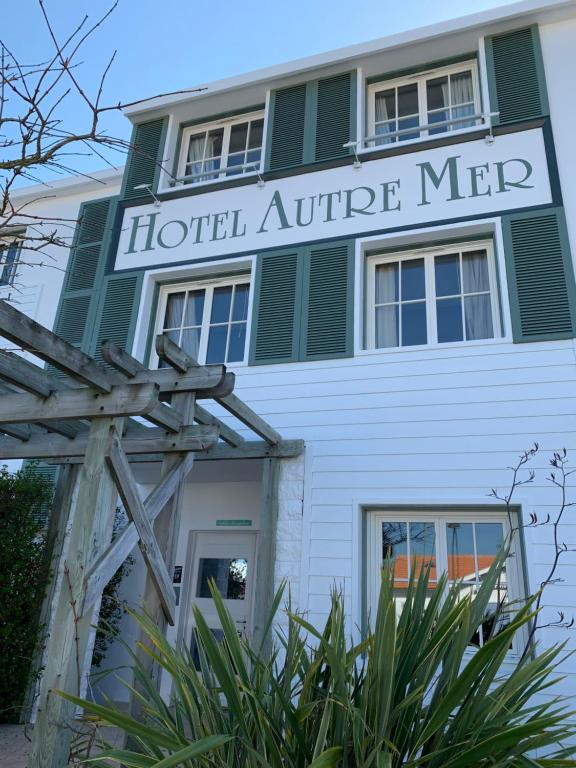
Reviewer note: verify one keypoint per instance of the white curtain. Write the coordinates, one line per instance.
(462, 94)
(196, 154)
(477, 308)
(386, 294)
(174, 310)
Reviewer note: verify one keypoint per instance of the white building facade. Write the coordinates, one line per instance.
(378, 242)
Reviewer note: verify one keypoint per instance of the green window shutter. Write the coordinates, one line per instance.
(303, 304)
(117, 312)
(72, 319)
(327, 328)
(516, 75)
(142, 166)
(335, 117)
(86, 267)
(43, 471)
(310, 122)
(276, 308)
(287, 127)
(540, 275)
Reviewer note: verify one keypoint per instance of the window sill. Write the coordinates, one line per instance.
(181, 186)
(447, 135)
(500, 341)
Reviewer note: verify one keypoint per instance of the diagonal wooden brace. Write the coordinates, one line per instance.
(134, 506)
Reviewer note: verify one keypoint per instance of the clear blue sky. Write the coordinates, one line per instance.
(165, 45)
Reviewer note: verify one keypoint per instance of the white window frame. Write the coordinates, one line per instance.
(440, 518)
(226, 124)
(208, 285)
(420, 78)
(6, 244)
(428, 254)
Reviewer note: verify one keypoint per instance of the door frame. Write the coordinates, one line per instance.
(184, 633)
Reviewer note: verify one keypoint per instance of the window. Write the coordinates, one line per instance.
(208, 320)
(9, 258)
(462, 544)
(441, 295)
(423, 105)
(220, 150)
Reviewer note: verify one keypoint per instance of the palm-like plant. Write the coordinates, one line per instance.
(411, 694)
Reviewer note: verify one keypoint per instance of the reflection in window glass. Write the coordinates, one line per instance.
(229, 575)
(472, 548)
(468, 549)
(209, 323)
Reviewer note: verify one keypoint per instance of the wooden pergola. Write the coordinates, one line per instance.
(83, 420)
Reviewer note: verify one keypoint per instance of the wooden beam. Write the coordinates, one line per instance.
(127, 539)
(20, 432)
(21, 373)
(33, 337)
(83, 403)
(264, 584)
(247, 416)
(47, 446)
(250, 449)
(128, 490)
(120, 359)
(229, 435)
(163, 416)
(65, 428)
(174, 355)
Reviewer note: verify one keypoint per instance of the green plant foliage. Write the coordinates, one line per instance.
(111, 608)
(23, 576)
(412, 694)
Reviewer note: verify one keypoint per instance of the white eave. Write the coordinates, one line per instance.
(536, 10)
(90, 182)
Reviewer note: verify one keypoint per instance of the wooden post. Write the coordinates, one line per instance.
(91, 523)
(55, 543)
(166, 530)
(264, 587)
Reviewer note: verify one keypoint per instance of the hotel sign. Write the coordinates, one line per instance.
(469, 179)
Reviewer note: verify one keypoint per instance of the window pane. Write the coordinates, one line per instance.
(395, 547)
(449, 319)
(475, 269)
(385, 105)
(235, 160)
(238, 137)
(461, 88)
(255, 137)
(194, 308)
(489, 539)
(414, 324)
(408, 100)
(386, 283)
(447, 275)
(237, 342)
(196, 147)
(387, 330)
(413, 284)
(217, 344)
(478, 316)
(437, 93)
(423, 548)
(221, 304)
(408, 122)
(214, 144)
(460, 546)
(253, 157)
(438, 117)
(174, 309)
(229, 575)
(240, 308)
(463, 112)
(191, 342)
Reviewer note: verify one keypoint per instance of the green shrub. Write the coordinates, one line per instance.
(413, 693)
(23, 574)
